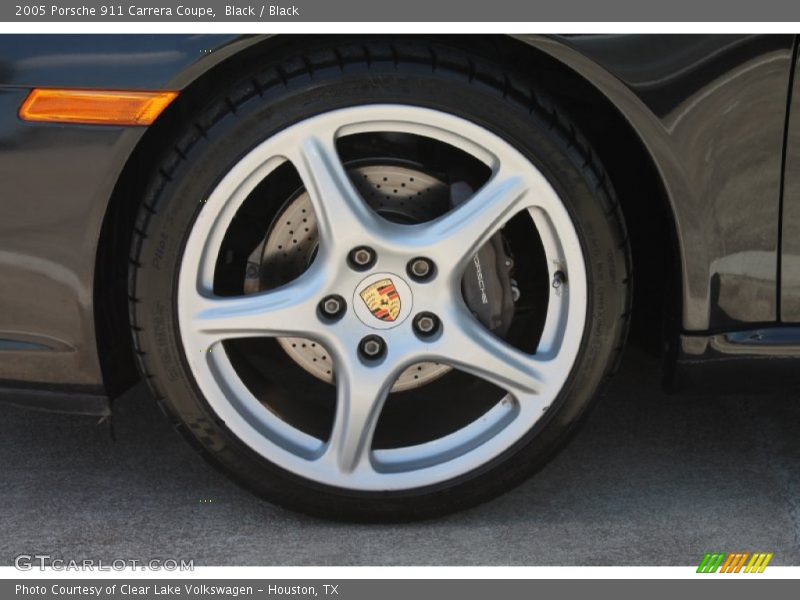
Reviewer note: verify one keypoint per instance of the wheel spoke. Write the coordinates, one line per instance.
(459, 234)
(286, 311)
(342, 215)
(469, 346)
(360, 394)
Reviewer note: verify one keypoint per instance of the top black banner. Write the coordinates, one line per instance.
(464, 11)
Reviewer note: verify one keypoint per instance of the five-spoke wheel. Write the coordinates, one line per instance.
(379, 285)
(364, 258)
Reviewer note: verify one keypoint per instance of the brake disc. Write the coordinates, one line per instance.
(398, 193)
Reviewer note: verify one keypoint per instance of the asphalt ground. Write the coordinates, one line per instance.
(650, 479)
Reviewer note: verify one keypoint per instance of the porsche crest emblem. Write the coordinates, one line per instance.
(382, 300)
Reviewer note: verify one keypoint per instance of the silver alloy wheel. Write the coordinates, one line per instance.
(347, 459)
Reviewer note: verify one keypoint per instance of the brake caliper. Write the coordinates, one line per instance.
(487, 284)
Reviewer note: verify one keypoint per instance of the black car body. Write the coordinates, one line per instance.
(699, 133)
(703, 124)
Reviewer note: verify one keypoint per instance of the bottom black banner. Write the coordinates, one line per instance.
(388, 589)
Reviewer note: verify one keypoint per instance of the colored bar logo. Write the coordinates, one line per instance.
(735, 563)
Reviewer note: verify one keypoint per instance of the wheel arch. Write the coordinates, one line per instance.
(112, 323)
(599, 104)
(654, 239)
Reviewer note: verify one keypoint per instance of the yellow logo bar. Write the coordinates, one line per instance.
(758, 563)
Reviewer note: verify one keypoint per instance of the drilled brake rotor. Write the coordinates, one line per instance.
(399, 193)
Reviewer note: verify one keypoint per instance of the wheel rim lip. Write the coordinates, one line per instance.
(393, 469)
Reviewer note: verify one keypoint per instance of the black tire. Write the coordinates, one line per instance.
(299, 87)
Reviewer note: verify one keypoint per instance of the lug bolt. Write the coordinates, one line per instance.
(332, 306)
(361, 258)
(372, 347)
(252, 271)
(420, 269)
(426, 324)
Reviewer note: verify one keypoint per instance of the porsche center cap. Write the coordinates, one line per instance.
(383, 301)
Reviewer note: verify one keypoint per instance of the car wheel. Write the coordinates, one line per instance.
(379, 282)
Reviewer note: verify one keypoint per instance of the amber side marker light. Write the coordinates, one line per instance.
(94, 107)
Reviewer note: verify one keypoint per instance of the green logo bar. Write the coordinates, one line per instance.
(704, 563)
(711, 563)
